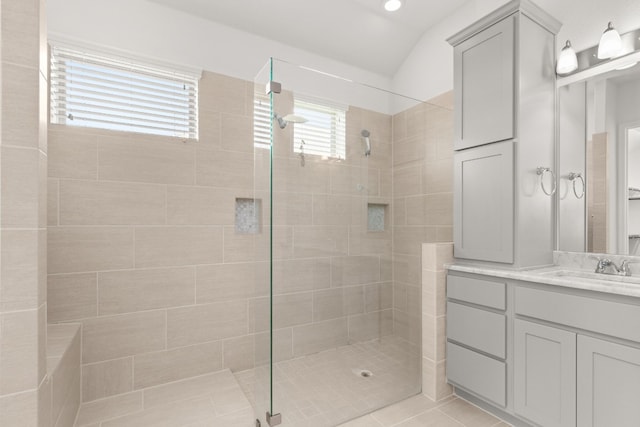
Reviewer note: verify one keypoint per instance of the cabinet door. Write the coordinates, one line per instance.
(608, 384)
(483, 203)
(484, 71)
(544, 374)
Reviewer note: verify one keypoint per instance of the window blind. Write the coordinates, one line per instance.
(261, 121)
(324, 133)
(112, 93)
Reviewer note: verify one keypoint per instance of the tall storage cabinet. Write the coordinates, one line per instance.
(504, 83)
(485, 69)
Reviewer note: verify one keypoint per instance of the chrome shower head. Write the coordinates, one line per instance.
(289, 118)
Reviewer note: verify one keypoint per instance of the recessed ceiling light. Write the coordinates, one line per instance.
(392, 5)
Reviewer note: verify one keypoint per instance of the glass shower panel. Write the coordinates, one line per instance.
(340, 346)
(259, 380)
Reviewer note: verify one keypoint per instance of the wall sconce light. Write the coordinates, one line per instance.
(567, 61)
(610, 43)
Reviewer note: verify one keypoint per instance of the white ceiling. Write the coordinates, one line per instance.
(356, 32)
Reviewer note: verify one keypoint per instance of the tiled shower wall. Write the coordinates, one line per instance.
(422, 201)
(25, 394)
(330, 270)
(143, 249)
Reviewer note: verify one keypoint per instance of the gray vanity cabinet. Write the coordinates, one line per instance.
(477, 337)
(544, 374)
(483, 203)
(543, 355)
(608, 384)
(504, 88)
(484, 79)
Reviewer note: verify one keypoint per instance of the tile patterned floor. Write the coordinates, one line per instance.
(205, 401)
(420, 411)
(319, 390)
(327, 389)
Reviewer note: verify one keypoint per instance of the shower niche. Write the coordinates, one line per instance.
(247, 215)
(376, 217)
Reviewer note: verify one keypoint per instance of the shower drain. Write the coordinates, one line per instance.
(363, 373)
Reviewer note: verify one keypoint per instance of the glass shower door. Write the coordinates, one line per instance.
(259, 380)
(330, 344)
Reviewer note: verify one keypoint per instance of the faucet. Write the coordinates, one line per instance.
(602, 265)
(623, 270)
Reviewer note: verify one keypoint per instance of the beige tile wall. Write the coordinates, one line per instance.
(434, 257)
(143, 249)
(23, 194)
(597, 229)
(422, 201)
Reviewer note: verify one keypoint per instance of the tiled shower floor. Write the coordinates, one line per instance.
(318, 390)
(327, 388)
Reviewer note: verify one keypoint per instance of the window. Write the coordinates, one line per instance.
(114, 93)
(324, 133)
(261, 121)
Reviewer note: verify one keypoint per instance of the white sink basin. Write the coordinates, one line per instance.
(582, 275)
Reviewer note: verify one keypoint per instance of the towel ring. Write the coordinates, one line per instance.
(573, 177)
(540, 170)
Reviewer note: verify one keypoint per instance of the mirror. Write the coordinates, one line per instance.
(599, 164)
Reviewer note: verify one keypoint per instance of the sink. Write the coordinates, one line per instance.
(591, 276)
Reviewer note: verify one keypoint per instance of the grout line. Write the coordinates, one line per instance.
(97, 277)
(449, 416)
(166, 329)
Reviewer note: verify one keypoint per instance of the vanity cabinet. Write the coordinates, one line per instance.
(504, 88)
(543, 355)
(544, 374)
(477, 337)
(608, 384)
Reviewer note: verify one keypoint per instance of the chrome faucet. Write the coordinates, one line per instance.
(602, 265)
(623, 270)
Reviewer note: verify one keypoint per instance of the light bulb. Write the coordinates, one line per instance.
(610, 43)
(567, 61)
(392, 5)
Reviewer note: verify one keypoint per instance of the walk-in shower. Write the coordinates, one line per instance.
(337, 330)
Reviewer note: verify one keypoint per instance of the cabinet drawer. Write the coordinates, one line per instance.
(480, 329)
(477, 373)
(606, 317)
(477, 291)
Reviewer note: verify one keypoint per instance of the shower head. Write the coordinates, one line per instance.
(367, 144)
(289, 118)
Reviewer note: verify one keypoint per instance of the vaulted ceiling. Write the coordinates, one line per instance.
(356, 32)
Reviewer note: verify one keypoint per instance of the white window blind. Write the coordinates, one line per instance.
(324, 132)
(261, 121)
(113, 93)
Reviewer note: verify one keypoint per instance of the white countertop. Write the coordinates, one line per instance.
(560, 275)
